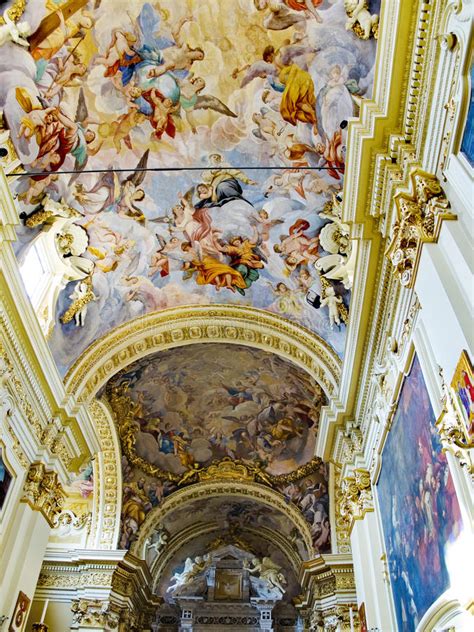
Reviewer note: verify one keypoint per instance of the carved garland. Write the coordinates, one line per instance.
(124, 409)
(420, 215)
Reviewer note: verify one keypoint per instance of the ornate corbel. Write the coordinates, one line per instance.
(43, 492)
(357, 497)
(421, 212)
(452, 431)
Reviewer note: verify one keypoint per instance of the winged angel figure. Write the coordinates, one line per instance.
(156, 73)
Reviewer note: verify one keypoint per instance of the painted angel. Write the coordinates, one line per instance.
(191, 99)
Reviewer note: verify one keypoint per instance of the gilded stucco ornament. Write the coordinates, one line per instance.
(15, 11)
(93, 613)
(43, 492)
(360, 20)
(357, 497)
(452, 430)
(171, 328)
(420, 215)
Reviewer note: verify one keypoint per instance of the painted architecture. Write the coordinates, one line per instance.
(236, 341)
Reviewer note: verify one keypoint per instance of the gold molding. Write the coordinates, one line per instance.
(421, 211)
(107, 494)
(199, 324)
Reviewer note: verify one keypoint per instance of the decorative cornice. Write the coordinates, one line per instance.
(42, 491)
(197, 324)
(325, 580)
(421, 211)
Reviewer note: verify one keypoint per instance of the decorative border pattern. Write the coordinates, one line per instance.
(197, 324)
(243, 489)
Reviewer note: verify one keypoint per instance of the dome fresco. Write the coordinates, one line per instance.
(196, 149)
(185, 409)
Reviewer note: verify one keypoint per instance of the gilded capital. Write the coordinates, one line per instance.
(43, 492)
(420, 213)
(357, 497)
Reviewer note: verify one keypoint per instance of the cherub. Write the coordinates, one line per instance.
(179, 57)
(332, 301)
(191, 100)
(15, 32)
(160, 261)
(162, 109)
(81, 297)
(130, 195)
(278, 16)
(119, 47)
(263, 224)
(360, 18)
(69, 70)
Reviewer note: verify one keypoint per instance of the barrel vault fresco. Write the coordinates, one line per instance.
(235, 102)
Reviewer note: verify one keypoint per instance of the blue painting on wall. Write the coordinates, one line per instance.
(418, 504)
(5, 480)
(467, 145)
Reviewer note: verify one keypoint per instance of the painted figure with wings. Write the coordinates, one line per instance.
(191, 99)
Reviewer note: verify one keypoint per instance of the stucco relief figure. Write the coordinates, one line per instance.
(361, 21)
(332, 302)
(267, 570)
(192, 568)
(155, 544)
(14, 32)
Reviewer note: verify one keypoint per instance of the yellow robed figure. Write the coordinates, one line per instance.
(298, 101)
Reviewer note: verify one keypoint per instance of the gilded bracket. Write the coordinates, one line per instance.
(43, 492)
(421, 212)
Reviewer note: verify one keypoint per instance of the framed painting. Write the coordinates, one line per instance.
(463, 387)
(20, 614)
(228, 584)
(419, 509)
(5, 480)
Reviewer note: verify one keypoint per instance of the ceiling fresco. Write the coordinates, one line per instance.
(217, 93)
(182, 410)
(198, 404)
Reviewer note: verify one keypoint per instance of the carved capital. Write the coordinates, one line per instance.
(94, 613)
(421, 212)
(357, 497)
(43, 492)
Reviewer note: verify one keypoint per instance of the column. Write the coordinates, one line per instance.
(371, 572)
(24, 547)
